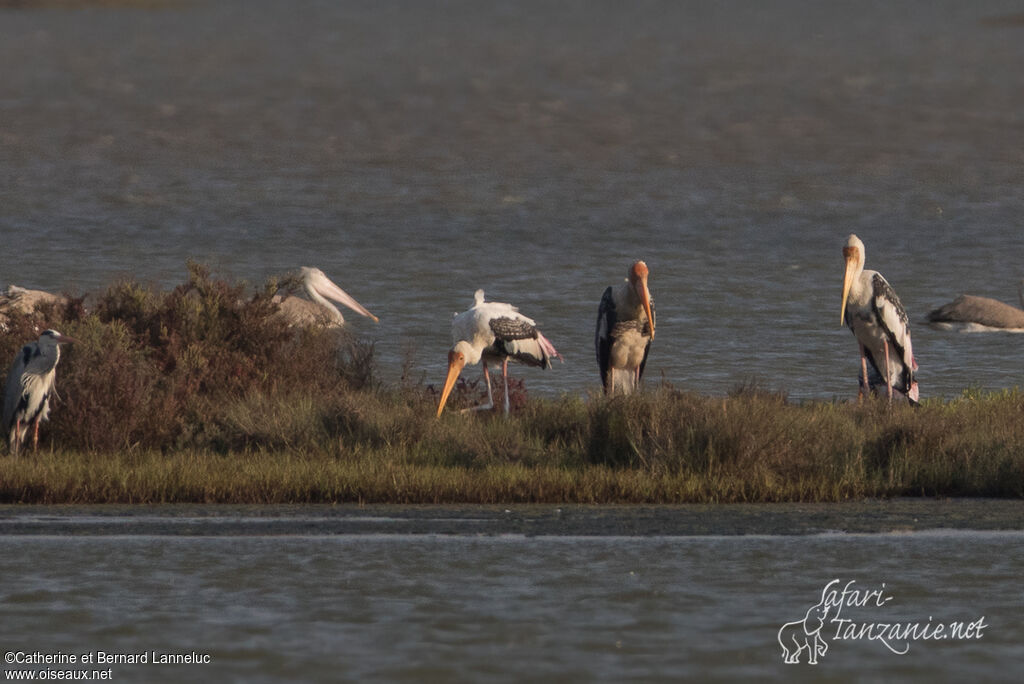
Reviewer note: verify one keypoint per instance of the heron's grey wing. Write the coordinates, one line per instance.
(13, 388)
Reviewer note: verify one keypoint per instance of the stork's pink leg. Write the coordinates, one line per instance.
(504, 376)
(16, 441)
(35, 436)
(888, 378)
(490, 397)
(864, 371)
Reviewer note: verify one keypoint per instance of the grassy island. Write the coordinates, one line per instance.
(205, 394)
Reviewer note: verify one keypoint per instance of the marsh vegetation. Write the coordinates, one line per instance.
(202, 394)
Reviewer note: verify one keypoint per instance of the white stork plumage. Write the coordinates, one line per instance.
(493, 332)
(625, 328)
(874, 313)
(30, 383)
(321, 290)
(968, 313)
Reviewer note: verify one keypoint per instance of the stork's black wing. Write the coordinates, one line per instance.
(507, 329)
(607, 318)
(892, 318)
(519, 340)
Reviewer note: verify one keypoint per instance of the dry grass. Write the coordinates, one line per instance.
(663, 447)
(201, 394)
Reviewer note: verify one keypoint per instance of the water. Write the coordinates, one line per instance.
(416, 151)
(271, 598)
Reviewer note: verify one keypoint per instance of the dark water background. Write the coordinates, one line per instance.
(419, 150)
(464, 594)
(416, 151)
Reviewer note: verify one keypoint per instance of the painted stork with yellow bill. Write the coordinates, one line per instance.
(494, 332)
(625, 329)
(878, 320)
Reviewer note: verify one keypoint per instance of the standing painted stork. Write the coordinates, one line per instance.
(320, 289)
(493, 332)
(874, 313)
(625, 328)
(30, 383)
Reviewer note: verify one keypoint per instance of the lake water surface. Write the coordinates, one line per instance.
(417, 151)
(336, 593)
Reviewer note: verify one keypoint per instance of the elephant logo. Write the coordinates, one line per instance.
(805, 635)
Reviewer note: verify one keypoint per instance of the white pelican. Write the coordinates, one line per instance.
(21, 300)
(30, 383)
(873, 312)
(320, 289)
(968, 313)
(625, 328)
(493, 332)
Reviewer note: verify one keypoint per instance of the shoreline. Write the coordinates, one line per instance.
(871, 516)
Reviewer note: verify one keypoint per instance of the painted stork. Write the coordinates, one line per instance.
(874, 313)
(320, 310)
(30, 383)
(625, 328)
(968, 313)
(493, 332)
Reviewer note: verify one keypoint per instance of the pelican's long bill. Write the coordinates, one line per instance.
(456, 362)
(850, 253)
(325, 287)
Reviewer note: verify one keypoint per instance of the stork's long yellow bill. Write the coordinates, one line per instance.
(851, 273)
(647, 306)
(638, 280)
(456, 362)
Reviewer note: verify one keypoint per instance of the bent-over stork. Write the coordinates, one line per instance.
(493, 332)
(30, 383)
(625, 328)
(874, 313)
(320, 289)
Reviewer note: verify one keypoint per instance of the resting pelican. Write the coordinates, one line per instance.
(30, 383)
(968, 313)
(22, 300)
(875, 315)
(494, 332)
(625, 328)
(320, 288)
